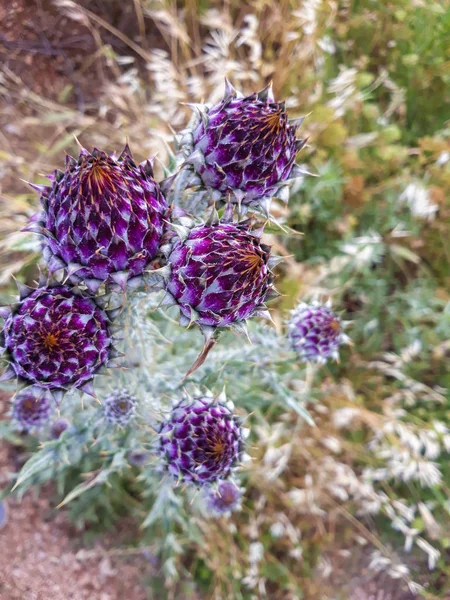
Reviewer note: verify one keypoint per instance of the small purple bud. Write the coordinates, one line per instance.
(119, 407)
(224, 498)
(58, 428)
(201, 442)
(315, 332)
(32, 408)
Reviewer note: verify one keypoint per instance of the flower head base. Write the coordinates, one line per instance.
(244, 147)
(202, 441)
(102, 219)
(119, 407)
(315, 332)
(32, 409)
(58, 428)
(223, 499)
(57, 338)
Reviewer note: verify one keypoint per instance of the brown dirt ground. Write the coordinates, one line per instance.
(39, 560)
(50, 47)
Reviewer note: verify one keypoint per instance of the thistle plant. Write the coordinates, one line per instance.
(102, 219)
(56, 337)
(118, 253)
(373, 471)
(243, 148)
(162, 259)
(201, 441)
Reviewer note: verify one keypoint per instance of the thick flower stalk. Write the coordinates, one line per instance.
(32, 408)
(224, 498)
(202, 441)
(57, 338)
(119, 407)
(316, 332)
(243, 148)
(102, 219)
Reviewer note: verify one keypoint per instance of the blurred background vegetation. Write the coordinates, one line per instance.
(373, 77)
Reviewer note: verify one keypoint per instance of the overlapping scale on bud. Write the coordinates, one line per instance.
(102, 219)
(316, 332)
(119, 407)
(32, 408)
(220, 272)
(56, 337)
(202, 441)
(244, 147)
(224, 498)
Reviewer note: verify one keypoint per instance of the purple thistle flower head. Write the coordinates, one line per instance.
(220, 273)
(316, 332)
(244, 147)
(119, 407)
(58, 428)
(57, 338)
(102, 219)
(32, 408)
(223, 499)
(202, 441)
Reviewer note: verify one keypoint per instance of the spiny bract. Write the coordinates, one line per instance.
(315, 332)
(56, 337)
(219, 273)
(201, 441)
(32, 408)
(102, 219)
(119, 407)
(243, 147)
(223, 499)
